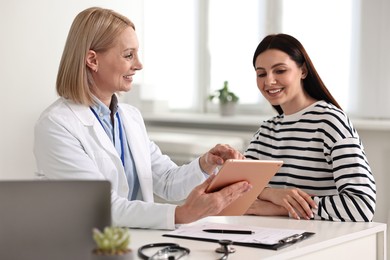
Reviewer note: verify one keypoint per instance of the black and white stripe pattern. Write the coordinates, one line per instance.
(323, 156)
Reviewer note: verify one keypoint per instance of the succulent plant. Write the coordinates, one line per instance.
(112, 241)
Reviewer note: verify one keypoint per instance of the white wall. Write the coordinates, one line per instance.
(374, 64)
(33, 34)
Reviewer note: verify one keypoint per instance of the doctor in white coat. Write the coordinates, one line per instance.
(87, 134)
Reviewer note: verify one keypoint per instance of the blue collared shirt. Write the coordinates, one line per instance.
(112, 125)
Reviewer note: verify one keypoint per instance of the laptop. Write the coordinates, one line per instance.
(42, 220)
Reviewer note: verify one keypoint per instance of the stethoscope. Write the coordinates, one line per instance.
(225, 248)
(169, 251)
(173, 251)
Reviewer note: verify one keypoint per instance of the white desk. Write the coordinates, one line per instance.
(333, 240)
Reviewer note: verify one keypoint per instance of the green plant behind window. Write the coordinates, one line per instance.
(224, 95)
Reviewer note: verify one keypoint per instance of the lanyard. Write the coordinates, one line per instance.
(120, 133)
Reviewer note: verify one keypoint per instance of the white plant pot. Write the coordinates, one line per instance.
(227, 109)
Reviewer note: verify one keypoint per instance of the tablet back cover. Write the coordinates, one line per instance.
(256, 172)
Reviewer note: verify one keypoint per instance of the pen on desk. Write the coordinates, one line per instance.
(229, 231)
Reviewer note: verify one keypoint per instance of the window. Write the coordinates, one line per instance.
(330, 36)
(234, 30)
(170, 52)
(192, 47)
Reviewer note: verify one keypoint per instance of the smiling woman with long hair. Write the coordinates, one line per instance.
(326, 174)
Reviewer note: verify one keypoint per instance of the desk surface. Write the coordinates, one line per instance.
(329, 235)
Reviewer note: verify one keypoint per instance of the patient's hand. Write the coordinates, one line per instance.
(297, 202)
(266, 208)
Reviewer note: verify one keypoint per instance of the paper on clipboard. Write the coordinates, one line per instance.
(261, 235)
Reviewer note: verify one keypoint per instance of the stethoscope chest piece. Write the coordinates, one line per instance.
(225, 247)
(169, 251)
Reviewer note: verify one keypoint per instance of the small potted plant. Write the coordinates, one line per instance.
(227, 100)
(112, 244)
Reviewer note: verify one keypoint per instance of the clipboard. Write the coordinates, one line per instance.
(282, 237)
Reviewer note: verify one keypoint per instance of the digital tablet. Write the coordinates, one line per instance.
(256, 172)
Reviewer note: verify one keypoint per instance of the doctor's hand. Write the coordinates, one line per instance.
(297, 202)
(217, 156)
(200, 204)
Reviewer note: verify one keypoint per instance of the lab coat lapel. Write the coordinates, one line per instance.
(88, 119)
(135, 138)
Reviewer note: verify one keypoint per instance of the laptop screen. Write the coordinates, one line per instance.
(52, 219)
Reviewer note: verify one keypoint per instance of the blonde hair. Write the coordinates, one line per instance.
(93, 29)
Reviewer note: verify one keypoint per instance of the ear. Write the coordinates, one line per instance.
(304, 71)
(91, 60)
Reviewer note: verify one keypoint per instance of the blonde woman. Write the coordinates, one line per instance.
(87, 134)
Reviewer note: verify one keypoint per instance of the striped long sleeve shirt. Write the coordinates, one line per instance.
(323, 156)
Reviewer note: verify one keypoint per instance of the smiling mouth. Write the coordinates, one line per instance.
(274, 91)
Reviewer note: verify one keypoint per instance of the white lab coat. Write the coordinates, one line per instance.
(70, 143)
